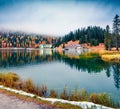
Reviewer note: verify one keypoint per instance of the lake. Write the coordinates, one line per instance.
(69, 69)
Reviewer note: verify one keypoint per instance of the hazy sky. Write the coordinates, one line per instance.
(56, 17)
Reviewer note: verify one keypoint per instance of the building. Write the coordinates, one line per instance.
(45, 46)
(73, 47)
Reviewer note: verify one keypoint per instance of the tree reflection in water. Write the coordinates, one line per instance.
(116, 74)
(90, 63)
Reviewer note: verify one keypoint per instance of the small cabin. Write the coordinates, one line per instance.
(73, 47)
(45, 46)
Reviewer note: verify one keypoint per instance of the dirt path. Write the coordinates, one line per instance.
(11, 102)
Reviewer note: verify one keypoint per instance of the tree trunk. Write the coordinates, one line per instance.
(117, 42)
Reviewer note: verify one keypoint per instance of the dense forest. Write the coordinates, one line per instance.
(94, 35)
(16, 39)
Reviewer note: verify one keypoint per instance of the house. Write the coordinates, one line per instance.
(73, 47)
(41, 46)
(45, 46)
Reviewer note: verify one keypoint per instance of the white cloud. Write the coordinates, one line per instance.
(56, 19)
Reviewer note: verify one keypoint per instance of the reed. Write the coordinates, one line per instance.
(79, 95)
(103, 99)
(64, 95)
(14, 81)
(53, 94)
(9, 79)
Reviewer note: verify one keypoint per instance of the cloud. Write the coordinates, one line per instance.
(54, 18)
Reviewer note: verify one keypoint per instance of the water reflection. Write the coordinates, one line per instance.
(90, 63)
(116, 74)
(45, 52)
(75, 52)
(10, 58)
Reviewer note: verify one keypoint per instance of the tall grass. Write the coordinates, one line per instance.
(14, 81)
(9, 79)
(64, 95)
(103, 99)
(79, 95)
(111, 57)
(53, 94)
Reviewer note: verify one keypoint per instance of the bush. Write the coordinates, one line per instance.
(29, 85)
(44, 90)
(53, 94)
(9, 79)
(103, 99)
(64, 95)
(79, 95)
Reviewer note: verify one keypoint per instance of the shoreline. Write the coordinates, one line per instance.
(109, 56)
(81, 104)
(15, 48)
(10, 100)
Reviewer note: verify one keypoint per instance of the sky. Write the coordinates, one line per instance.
(56, 17)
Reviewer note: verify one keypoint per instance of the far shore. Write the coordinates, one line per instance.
(14, 48)
(106, 55)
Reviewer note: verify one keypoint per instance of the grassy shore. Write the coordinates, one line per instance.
(114, 57)
(107, 55)
(14, 81)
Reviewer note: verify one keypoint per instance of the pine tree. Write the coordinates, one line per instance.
(116, 30)
(108, 39)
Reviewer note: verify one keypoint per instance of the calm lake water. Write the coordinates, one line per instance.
(57, 70)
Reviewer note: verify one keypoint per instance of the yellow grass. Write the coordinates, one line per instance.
(101, 98)
(107, 55)
(14, 81)
(111, 57)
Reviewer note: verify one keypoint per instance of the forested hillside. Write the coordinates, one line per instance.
(16, 39)
(93, 35)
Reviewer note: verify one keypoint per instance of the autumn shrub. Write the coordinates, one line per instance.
(44, 90)
(53, 94)
(29, 85)
(14, 81)
(83, 95)
(1, 75)
(103, 99)
(9, 79)
(37, 90)
(64, 95)
(79, 95)
(74, 97)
